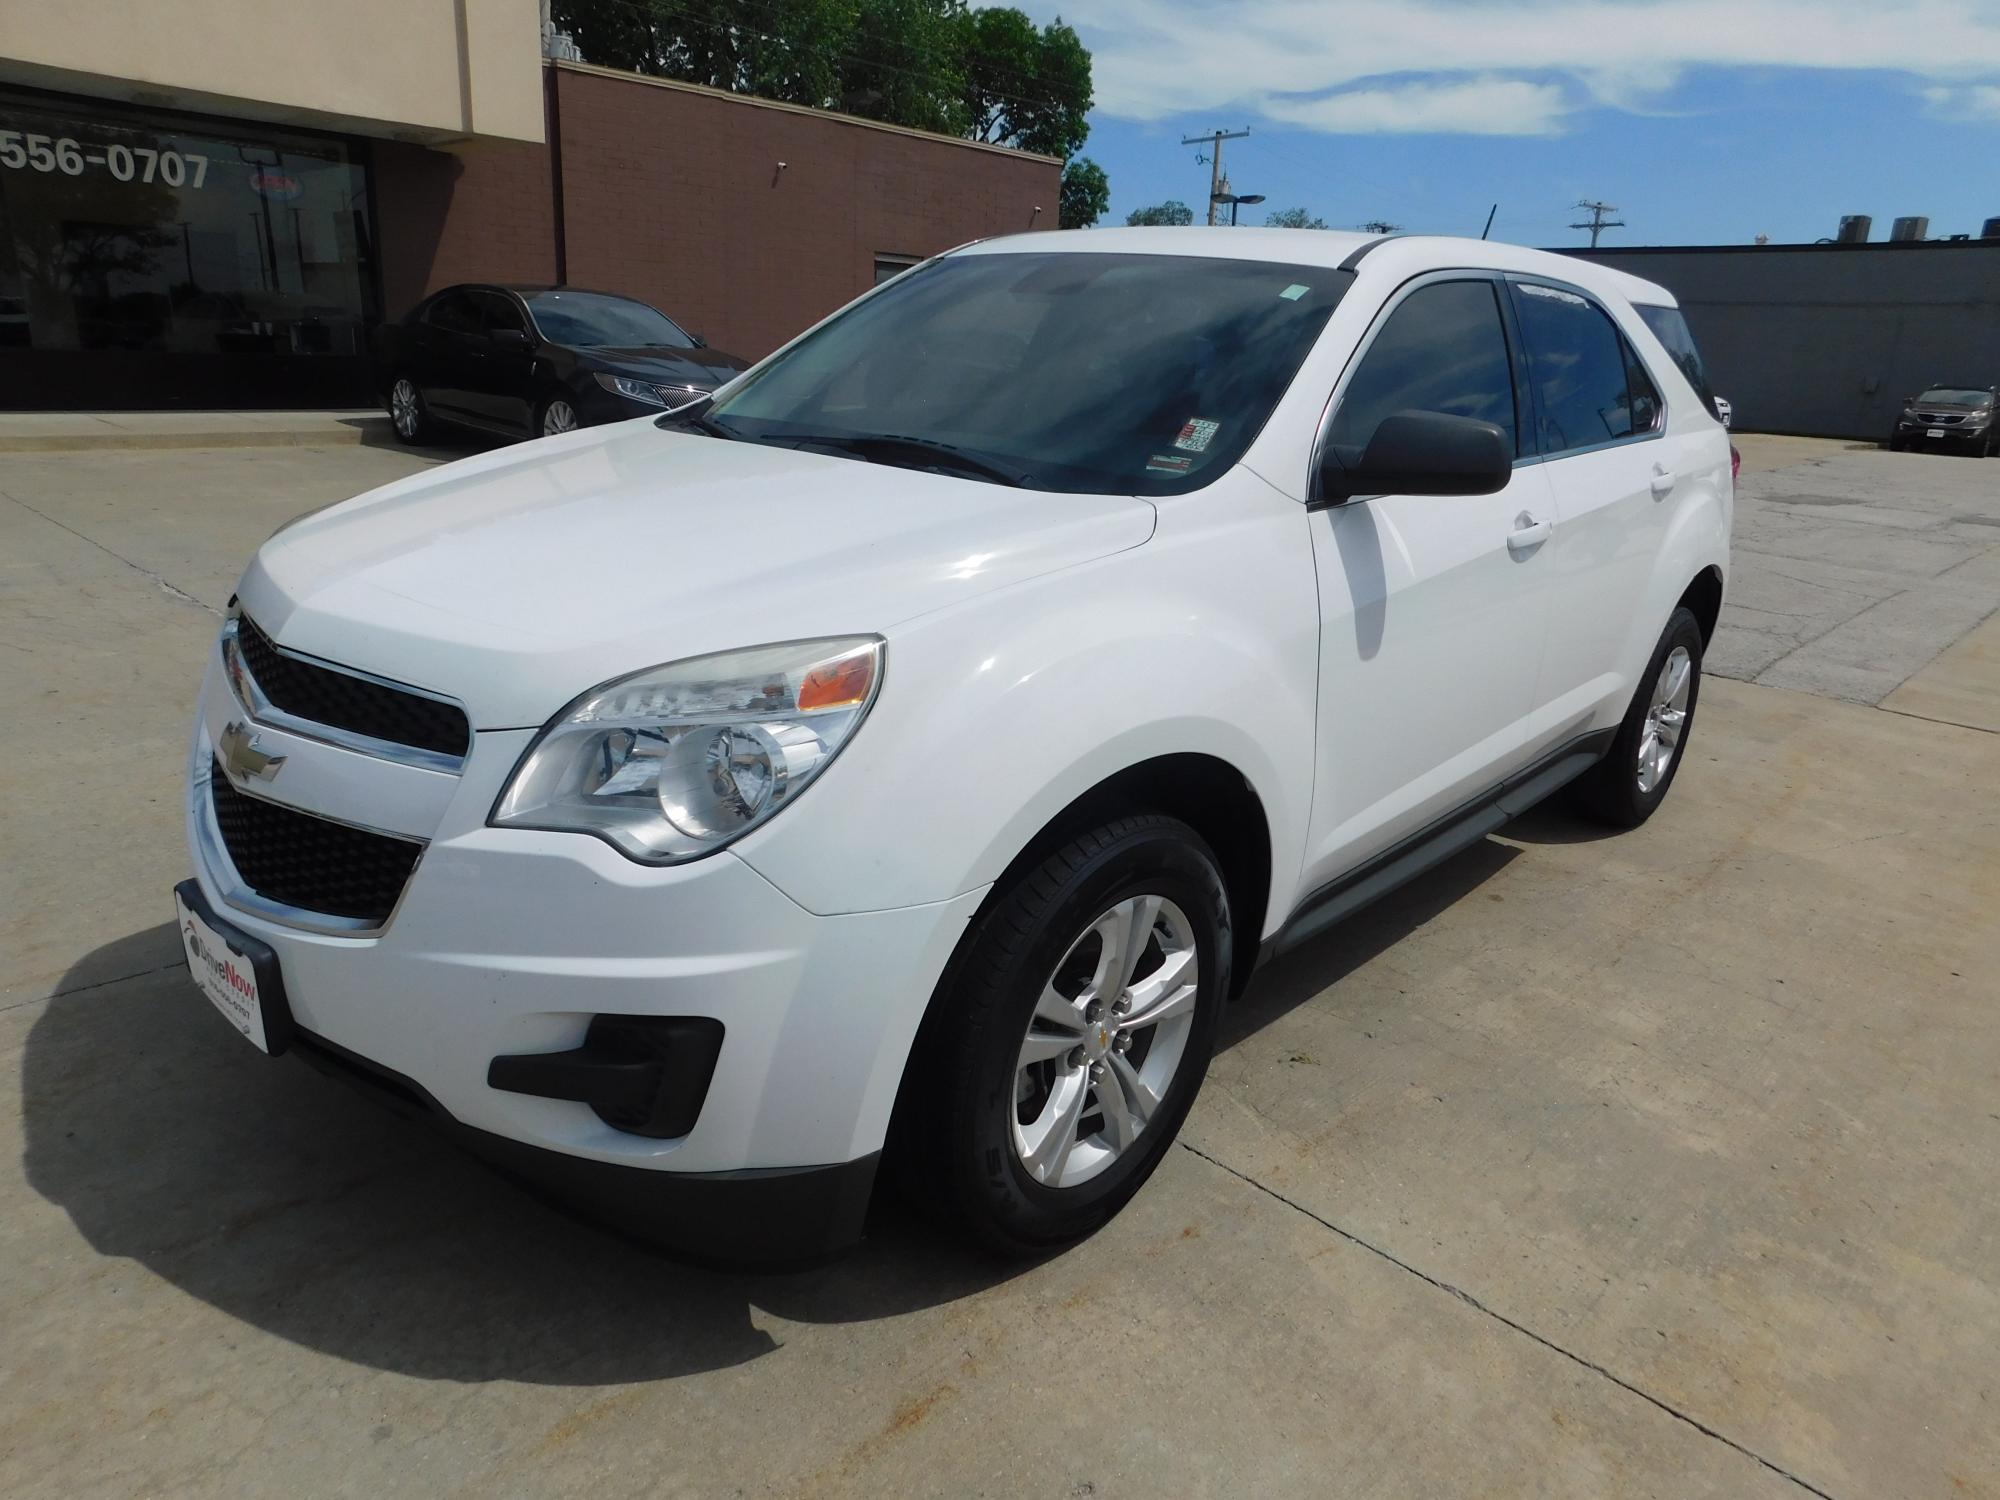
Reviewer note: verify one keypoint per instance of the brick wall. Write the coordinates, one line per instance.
(482, 214)
(673, 195)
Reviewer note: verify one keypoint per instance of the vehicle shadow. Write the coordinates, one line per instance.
(1309, 970)
(1553, 823)
(443, 444)
(287, 1200)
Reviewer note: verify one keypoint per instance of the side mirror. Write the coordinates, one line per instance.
(509, 338)
(699, 341)
(1422, 453)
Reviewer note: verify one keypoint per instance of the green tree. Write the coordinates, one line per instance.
(1025, 87)
(1086, 193)
(1173, 211)
(931, 64)
(1293, 218)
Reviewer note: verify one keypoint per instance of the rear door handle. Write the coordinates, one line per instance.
(1663, 479)
(1528, 533)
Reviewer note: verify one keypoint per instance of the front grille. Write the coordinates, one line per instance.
(308, 862)
(325, 696)
(1939, 418)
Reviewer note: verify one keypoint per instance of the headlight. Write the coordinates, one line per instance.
(634, 390)
(673, 763)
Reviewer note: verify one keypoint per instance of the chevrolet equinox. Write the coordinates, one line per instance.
(906, 752)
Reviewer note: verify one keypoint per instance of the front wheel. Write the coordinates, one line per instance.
(1070, 1037)
(1631, 781)
(557, 415)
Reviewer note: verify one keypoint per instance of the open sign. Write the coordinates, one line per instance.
(275, 184)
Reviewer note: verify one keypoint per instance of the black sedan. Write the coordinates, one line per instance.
(529, 361)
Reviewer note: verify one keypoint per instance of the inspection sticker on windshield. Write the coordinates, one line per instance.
(1169, 463)
(1196, 434)
(1295, 291)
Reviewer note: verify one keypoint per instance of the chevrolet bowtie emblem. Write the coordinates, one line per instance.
(240, 756)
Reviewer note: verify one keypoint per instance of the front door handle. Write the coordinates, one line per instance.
(1528, 533)
(1663, 479)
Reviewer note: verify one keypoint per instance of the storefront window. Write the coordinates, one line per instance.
(130, 235)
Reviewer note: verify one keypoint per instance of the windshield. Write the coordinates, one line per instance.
(591, 319)
(1084, 372)
(1945, 395)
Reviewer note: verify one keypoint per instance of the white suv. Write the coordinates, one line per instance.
(1117, 608)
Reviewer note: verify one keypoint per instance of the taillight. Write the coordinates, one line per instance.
(1735, 464)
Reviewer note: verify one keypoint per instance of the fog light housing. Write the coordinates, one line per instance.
(645, 1075)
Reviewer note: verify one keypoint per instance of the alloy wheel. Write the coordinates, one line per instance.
(1106, 1040)
(403, 406)
(1666, 719)
(558, 416)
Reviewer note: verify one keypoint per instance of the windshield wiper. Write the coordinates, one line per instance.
(695, 415)
(889, 446)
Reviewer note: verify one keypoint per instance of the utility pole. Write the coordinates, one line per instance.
(1379, 226)
(1598, 223)
(1214, 139)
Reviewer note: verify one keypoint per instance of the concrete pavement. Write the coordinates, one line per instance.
(1650, 1165)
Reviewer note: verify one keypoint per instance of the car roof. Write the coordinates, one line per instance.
(1401, 255)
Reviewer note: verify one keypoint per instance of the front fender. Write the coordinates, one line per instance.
(997, 714)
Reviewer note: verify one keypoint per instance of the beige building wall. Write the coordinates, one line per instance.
(416, 70)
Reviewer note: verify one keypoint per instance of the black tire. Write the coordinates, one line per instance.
(1612, 791)
(953, 1142)
(418, 425)
(1895, 445)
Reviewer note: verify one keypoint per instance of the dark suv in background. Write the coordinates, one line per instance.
(1955, 416)
(528, 361)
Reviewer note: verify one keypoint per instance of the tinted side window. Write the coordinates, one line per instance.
(454, 313)
(1576, 360)
(500, 312)
(1443, 349)
(1671, 329)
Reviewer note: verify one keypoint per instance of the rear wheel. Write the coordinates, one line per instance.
(1070, 1037)
(1631, 781)
(407, 410)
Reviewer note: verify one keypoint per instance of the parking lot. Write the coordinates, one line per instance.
(1660, 1164)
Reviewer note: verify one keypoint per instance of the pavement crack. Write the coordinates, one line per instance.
(1521, 1328)
(165, 587)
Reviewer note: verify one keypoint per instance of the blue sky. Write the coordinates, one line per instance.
(1704, 121)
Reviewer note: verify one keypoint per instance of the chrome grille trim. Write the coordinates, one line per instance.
(250, 697)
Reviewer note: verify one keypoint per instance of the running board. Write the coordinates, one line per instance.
(1430, 847)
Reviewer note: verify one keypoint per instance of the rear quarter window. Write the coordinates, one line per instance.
(1671, 329)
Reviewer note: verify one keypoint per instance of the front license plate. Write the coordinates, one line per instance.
(226, 974)
(1935, 432)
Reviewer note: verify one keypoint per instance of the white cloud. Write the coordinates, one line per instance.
(1980, 101)
(1295, 61)
(1480, 106)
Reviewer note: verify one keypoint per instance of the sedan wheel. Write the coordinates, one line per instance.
(1105, 1041)
(406, 409)
(558, 416)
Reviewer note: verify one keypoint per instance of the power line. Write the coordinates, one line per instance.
(1598, 223)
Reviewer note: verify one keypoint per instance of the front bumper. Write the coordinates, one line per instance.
(509, 942)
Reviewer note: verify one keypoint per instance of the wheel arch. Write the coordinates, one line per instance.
(1205, 792)
(1703, 598)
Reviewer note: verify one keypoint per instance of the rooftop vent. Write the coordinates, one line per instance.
(1854, 229)
(1912, 227)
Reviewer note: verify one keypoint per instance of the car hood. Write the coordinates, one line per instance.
(703, 367)
(516, 580)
